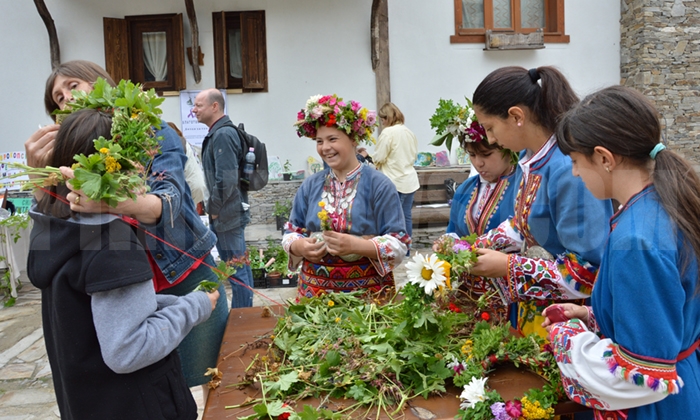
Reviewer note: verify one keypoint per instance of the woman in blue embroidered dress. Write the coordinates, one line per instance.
(558, 227)
(346, 227)
(634, 353)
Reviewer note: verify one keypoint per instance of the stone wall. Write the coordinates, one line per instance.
(660, 57)
(262, 202)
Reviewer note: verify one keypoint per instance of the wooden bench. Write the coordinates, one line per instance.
(430, 207)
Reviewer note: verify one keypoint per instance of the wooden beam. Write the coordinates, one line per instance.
(51, 28)
(380, 50)
(194, 28)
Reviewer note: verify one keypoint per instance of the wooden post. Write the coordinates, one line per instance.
(51, 28)
(380, 50)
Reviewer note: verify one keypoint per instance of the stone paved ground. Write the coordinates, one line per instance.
(26, 388)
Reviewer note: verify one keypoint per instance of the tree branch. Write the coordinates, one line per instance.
(189, 4)
(51, 28)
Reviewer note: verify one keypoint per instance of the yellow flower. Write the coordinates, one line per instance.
(134, 115)
(447, 266)
(337, 319)
(322, 204)
(111, 164)
(534, 410)
(467, 347)
(331, 304)
(104, 150)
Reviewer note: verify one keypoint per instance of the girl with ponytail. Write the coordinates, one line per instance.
(551, 248)
(635, 349)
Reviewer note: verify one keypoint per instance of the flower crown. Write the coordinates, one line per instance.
(451, 119)
(330, 110)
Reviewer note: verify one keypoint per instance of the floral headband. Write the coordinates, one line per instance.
(330, 110)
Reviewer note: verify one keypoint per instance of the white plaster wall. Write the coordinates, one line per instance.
(313, 47)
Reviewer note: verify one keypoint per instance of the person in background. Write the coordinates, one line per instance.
(109, 337)
(633, 354)
(194, 174)
(551, 248)
(346, 228)
(222, 151)
(166, 211)
(394, 155)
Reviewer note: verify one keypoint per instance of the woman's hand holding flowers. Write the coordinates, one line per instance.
(309, 248)
(490, 263)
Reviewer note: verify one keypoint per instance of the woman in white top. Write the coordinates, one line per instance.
(394, 155)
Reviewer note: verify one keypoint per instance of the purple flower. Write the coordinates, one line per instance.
(499, 411)
(371, 118)
(460, 246)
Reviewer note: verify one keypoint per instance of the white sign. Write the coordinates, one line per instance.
(193, 131)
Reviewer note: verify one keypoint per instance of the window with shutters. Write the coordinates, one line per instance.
(148, 49)
(240, 50)
(474, 17)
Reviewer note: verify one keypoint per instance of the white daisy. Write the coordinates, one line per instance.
(426, 272)
(473, 393)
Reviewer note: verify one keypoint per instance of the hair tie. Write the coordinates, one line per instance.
(655, 151)
(534, 75)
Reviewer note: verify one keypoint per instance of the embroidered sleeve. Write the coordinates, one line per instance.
(592, 324)
(566, 278)
(504, 238)
(391, 249)
(599, 374)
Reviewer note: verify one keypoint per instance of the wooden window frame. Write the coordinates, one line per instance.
(553, 31)
(124, 49)
(253, 50)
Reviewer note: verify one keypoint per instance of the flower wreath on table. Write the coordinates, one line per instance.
(330, 110)
(452, 120)
(119, 168)
(382, 352)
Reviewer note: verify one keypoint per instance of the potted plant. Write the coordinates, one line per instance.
(257, 266)
(287, 170)
(281, 211)
(278, 267)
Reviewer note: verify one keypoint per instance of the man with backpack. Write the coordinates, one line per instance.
(222, 153)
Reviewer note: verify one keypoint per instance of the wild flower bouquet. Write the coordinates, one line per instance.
(452, 120)
(118, 169)
(330, 110)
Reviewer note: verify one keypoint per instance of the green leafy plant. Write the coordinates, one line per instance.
(282, 208)
(13, 224)
(275, 250)
(287, 167)
(120, 167)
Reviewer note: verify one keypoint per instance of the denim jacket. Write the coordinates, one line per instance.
(221, 152)
(179, 224)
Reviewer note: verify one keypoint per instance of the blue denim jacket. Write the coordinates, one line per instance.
(221, 152)
(179, 224)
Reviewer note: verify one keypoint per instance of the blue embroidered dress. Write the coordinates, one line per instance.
(367, 205)
(647, 312)
(554, 211)
(497, 205)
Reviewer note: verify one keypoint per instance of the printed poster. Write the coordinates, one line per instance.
(5, 171)
(193, 131)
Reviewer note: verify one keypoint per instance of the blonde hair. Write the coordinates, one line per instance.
(391, 113)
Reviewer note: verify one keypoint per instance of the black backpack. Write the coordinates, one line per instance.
(258, 179)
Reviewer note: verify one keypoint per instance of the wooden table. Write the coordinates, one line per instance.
(245, 325)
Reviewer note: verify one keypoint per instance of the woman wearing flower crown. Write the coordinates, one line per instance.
(346, 228)
(552, 247)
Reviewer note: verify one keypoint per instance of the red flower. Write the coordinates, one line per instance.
(284, 416)
(331, 120)
(454, 308)
(485, 316)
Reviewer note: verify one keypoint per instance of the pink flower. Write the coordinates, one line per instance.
(514, 409)
(371, 118)
(336, 109)
(300, 115)
(324, 99)
(355, 106)
(332, 101)
(341, 104)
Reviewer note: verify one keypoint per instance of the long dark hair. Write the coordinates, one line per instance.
(75, 136)
(512, 86)
(79, 69)
(626, 123)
